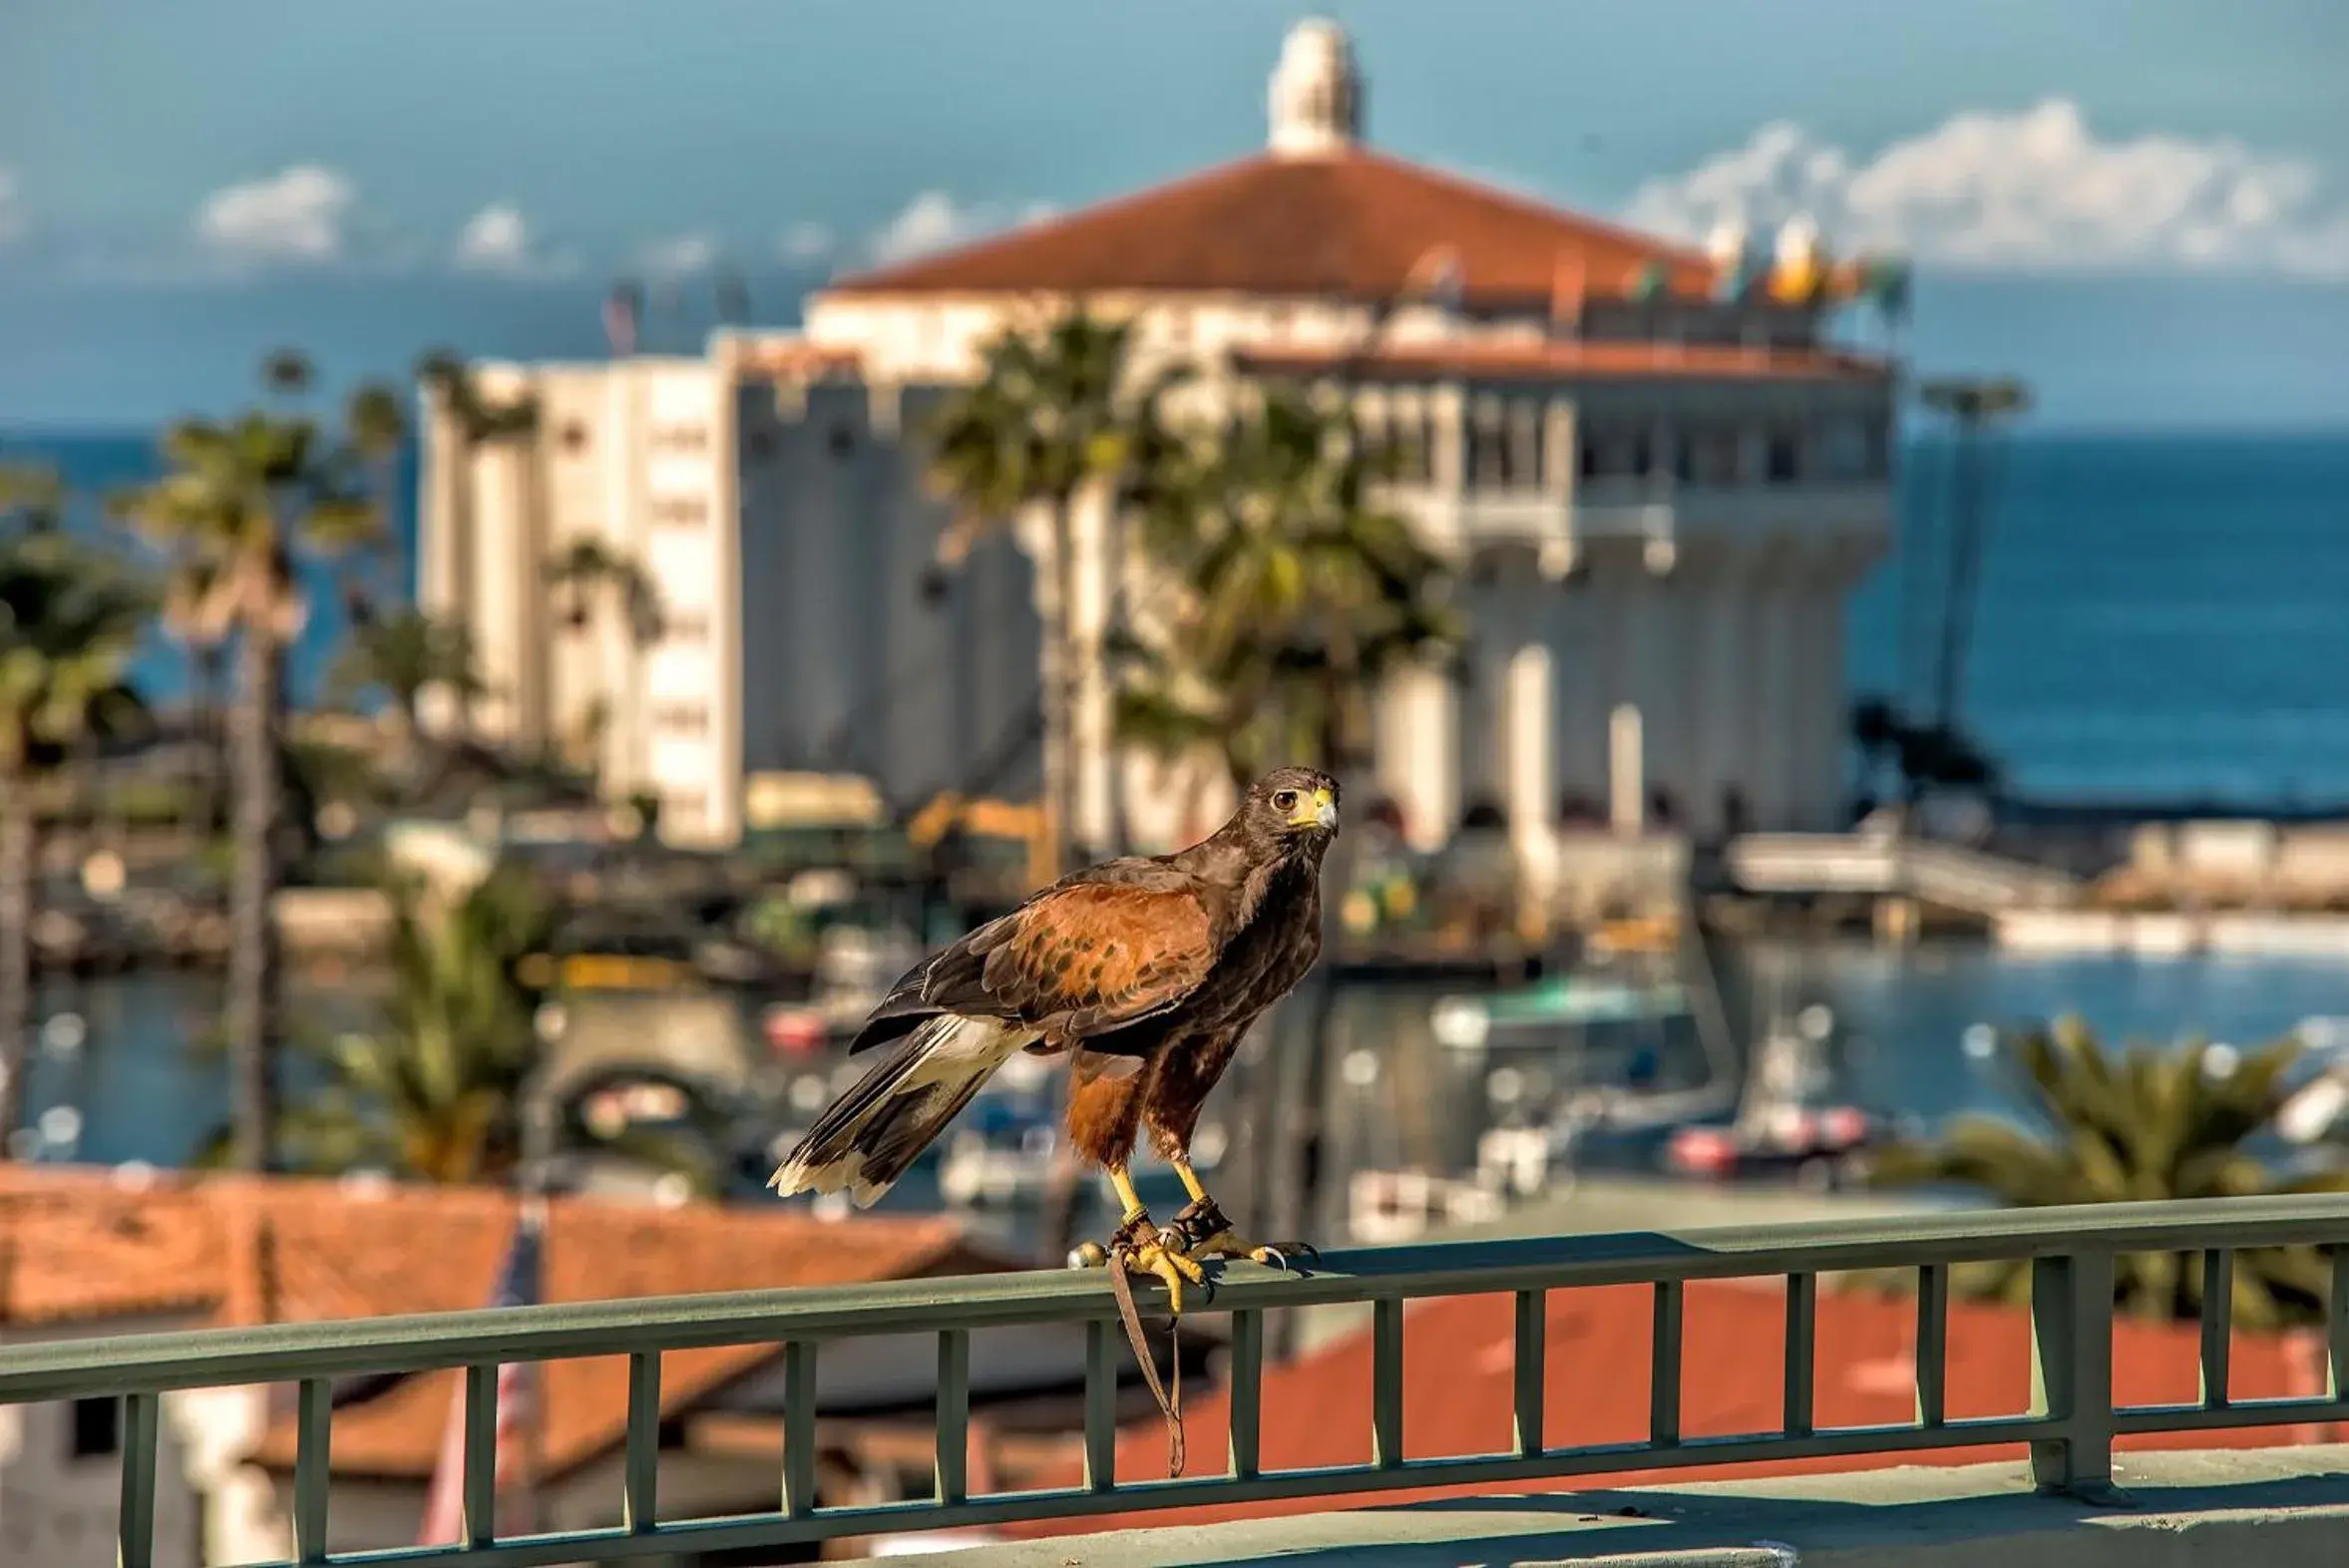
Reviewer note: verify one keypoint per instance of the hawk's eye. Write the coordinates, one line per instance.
(1286, 800)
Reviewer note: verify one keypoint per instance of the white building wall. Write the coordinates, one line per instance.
(58, 1508)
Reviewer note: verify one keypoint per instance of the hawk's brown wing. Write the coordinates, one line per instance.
(1098, 957)
(1079, 960)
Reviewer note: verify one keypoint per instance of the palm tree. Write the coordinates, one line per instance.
(186, 623)
(69, 621)
(1054, 414)
(401, 655)
(433, 1091)
(1297, 594)
(587, 576)
(474, 421)
(2140, 1124)
(587, 572)
(378, 430)
(438, 1089)
(244, 502)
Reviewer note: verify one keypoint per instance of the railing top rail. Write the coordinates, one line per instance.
(286, 1352)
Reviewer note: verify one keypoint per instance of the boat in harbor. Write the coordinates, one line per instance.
(1790, 1122)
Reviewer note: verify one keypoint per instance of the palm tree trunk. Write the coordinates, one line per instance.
(1061, 700)
(461, 457)
(18, 867)
(210, 743)
(253, 954)
(1061, 792)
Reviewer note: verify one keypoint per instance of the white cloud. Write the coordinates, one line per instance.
(13, 222)
(935, 220)
(498, 239)
(302, 213)
(679, 257)
(2032, 190)
(494, 239)
(807, 243)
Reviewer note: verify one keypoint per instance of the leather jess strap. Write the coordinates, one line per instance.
(1169, 1393)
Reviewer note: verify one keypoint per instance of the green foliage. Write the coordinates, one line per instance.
(242, 503)
(2143, 1123)
(433, 1091)
(1054, 410)
(478, 418)
(1297, 590)
(401, 655)
(376, 422)
(585, 573)
(71, 617)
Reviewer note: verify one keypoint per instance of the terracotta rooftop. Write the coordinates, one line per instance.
(1458, 1386)
(1543, 361)
(1356, 224)
(81, 1245)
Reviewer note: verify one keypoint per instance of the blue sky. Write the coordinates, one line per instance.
(2143, 205)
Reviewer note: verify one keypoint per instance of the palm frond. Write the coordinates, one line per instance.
(2137, 1123)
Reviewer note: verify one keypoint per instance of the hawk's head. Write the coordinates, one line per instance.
(1291, 809)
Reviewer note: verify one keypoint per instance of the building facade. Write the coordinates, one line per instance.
(1659, 491)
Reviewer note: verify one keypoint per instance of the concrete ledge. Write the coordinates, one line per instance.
(2243, 1509)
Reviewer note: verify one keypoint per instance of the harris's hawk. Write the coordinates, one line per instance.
(1146, 972)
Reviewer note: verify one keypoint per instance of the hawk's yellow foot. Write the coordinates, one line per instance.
(1139, 1247)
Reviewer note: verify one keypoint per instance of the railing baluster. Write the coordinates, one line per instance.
(799, 1427)
(2218, 1322)
(1101, 1406)
(2072, 1372)
(1664, 1366)
(481, 1455)
(1932, 1356)
(134, 1525)
(1533, 1342)
(953, 1469)
(2337, 1327)
(313, 1434)
(1386, 1381)
(640, 1479)
(1246, 1383)
(1802, 1348)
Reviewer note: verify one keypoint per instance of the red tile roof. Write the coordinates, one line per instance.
(1458, 1386)
(1356, 224)
(1570, 360)
(78, 1245)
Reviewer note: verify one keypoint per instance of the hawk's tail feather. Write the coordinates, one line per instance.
(868, 1137)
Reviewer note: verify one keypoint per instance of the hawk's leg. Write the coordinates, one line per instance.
(1206, 1233)
(1139, 1247)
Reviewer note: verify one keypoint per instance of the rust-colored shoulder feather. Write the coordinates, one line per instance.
(1082, 958)
(1093, 957)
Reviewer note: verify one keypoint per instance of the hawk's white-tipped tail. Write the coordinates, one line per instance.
(869, 1137)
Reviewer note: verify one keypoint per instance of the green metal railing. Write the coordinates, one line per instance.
(2070, 1427)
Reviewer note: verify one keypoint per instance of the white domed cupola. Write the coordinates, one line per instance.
(1317, 93)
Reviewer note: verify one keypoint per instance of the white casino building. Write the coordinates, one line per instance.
(1661, 493)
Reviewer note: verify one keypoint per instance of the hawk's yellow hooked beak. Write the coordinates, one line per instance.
(1317, 810)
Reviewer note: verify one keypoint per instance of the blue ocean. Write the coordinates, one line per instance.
(2161, 618)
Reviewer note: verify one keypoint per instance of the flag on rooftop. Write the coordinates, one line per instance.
(519, 1285)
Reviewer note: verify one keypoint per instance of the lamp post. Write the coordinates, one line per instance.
(1973, 405)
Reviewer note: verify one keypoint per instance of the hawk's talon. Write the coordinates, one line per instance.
(1208, 1233)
